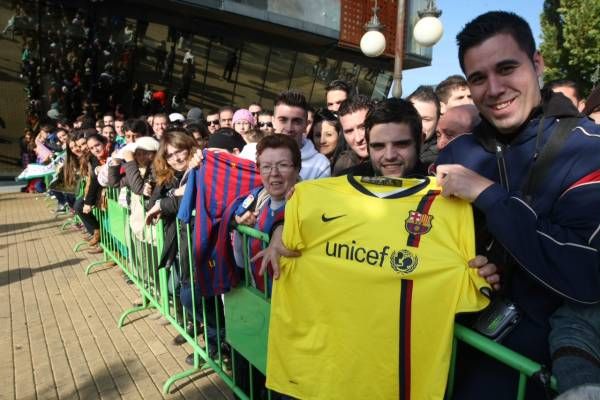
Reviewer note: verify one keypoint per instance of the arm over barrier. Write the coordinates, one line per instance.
(237, 354)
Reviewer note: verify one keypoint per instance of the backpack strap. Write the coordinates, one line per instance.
(543, 160)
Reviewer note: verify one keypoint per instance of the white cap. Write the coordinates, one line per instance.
(176, 117)
(128, 147)
(146, 143)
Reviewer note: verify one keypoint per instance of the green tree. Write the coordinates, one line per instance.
(571, 40)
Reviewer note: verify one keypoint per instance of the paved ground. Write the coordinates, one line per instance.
(58, 328)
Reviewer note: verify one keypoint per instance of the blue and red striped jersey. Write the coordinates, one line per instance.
(220, 179)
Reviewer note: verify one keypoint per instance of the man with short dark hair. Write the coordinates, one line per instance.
(265, 122)
(255, 109)
(393, 132)
(290, 116)
(135, 128)
(352, 113)
(226, 116)
(538, 220)
(428, 105)
(569, 89)
(212, 121)
(335, 93)
(453, 91)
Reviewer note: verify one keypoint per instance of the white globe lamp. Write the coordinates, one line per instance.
(372, 43)
(429, 29)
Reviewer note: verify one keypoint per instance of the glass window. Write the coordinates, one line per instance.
(382, 86)
(323, 13)
(251, 74)
(221, 73)
(278, 76)
(303, 77)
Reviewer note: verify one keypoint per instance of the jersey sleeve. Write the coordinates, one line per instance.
(471, 294)
(292, 238)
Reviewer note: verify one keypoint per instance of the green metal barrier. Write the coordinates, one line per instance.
(523, 365)
(204, 317)
(244, 310)
(80, 193)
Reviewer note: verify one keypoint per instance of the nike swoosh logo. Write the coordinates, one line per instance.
(328, 219)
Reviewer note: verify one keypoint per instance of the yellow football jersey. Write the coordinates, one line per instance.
(367, 311)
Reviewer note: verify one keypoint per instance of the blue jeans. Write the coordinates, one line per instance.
(575, 345)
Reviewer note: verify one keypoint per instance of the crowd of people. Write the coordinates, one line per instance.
(485, 138)
(85, 65)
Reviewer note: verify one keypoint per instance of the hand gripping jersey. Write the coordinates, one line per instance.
(225, 260)
(367, 311)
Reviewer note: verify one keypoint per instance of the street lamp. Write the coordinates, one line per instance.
(427, 32)
(372, 43)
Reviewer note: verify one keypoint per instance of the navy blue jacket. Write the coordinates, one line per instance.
(549, 248)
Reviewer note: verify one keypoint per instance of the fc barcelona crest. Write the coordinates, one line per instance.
(418, 223)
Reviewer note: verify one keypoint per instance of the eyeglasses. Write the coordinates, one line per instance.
(175, 153)
(282, 167)
(263, 124)
(213, 122)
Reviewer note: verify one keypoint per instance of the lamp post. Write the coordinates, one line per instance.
(427, 32)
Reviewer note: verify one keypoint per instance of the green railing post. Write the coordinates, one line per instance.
(164, 291)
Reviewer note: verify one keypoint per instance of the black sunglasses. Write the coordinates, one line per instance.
(213, 122)
(269, 124)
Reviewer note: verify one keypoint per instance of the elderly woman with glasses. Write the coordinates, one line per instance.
(278, 161)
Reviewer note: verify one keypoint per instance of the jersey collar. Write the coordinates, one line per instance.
(415, 189)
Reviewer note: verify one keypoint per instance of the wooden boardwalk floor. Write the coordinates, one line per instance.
(58, 328)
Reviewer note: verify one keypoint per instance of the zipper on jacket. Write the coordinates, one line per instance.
(503, 174)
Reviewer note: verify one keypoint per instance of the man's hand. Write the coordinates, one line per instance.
(461, 182)
(275, 250)
(486, 270)
(87, 209)
(248, 218)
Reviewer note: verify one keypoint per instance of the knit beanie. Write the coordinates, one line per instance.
(243, 115)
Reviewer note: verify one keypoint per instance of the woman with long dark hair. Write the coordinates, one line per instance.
(326, 134)
(65, 187)
(97, 156)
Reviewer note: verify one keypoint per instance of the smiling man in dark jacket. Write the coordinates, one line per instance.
(548, 241)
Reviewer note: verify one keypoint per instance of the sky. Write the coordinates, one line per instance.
(455, 14)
